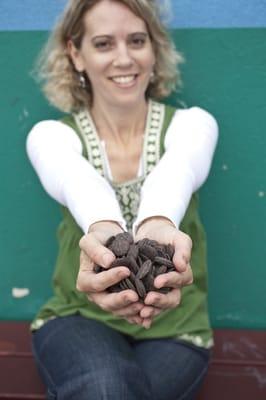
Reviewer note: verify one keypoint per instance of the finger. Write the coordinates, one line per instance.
(90, 282)
(182, 255)
(174, 279)
(149, 312)
(130, 311)
(164, 301)
(135, 320)
(170, 279)
(146, 323)
(187, 276)
(98, 253)
(86, 264)
(156, 311)
(113, 302)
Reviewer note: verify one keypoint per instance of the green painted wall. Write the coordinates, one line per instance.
(224, 73)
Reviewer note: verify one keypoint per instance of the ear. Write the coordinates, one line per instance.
(75, 56)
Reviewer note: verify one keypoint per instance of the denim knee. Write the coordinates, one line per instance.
(105, 385)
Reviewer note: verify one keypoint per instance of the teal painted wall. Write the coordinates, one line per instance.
(224, 73)
(41, 14)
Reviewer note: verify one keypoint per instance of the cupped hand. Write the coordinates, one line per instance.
(163, 231)
(124, 304)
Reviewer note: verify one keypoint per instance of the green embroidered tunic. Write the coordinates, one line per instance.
(189, 321)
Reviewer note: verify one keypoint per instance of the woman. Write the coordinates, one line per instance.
(121, 160)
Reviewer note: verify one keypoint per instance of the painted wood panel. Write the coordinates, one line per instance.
(224, 73)
(41, 14)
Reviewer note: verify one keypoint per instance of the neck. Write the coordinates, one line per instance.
(120, 125)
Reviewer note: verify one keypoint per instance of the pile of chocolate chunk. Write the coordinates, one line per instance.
(146, 259)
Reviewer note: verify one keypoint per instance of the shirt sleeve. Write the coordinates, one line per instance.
(190, 143)
(55, 152)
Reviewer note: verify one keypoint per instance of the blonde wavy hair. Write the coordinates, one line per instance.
(59, 79)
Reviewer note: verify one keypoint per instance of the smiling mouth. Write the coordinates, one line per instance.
(124, 80)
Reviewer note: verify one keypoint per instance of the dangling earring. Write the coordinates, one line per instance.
(152, 77)
(82, 80)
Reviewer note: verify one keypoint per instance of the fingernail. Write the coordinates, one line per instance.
(184, 264)
(127, 300)
(124, 273)
(180, 263)
(148, 314)
(158, 285)
(107, 259)
(147, 324)
(148, 302)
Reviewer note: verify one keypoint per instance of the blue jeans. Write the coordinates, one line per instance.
(82, 359)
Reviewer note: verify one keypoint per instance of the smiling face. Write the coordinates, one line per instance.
(116, 53)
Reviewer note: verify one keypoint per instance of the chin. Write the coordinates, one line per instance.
(129, 100)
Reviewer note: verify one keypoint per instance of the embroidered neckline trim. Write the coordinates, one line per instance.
(151, 146)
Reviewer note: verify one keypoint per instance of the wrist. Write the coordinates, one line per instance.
(106, 224)
(152, 222)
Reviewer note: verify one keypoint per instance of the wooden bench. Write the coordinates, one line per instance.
(237, 370)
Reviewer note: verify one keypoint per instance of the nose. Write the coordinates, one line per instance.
(123, 57)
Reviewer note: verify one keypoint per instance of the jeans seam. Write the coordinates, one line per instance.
(47, 375)
(195, 383)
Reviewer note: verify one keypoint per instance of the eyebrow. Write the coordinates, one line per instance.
(111, 36)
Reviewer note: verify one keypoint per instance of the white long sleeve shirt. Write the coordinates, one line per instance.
(55, 152)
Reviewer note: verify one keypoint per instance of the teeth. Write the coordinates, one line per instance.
(124, 79)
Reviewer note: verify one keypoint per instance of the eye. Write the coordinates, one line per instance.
(137, 41)
(102, 45)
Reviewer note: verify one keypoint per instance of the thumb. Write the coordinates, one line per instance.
(95, 250)
(183, 247)
(180, 261)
